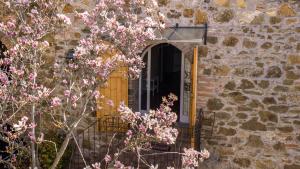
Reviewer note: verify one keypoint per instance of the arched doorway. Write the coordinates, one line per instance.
(162, 75)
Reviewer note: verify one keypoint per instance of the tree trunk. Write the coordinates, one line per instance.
(33, 153)
(61, 150)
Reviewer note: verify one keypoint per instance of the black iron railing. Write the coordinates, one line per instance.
(108, 133)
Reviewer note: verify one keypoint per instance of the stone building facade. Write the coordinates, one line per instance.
(248, 73)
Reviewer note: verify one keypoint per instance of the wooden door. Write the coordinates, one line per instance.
(193, 99)
(115, 92)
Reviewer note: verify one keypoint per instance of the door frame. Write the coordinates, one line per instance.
(183, 119)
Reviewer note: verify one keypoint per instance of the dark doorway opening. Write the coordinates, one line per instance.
(4, 67)
(165, 75)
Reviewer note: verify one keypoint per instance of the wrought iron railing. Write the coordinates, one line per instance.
(108, 133)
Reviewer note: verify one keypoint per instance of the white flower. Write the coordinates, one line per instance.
(64, 18)
(153, 167)
(96, 165)
(204, 154)
(21, 124)
(45, 44)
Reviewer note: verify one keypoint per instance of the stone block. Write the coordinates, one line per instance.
(269, 100)
(241, 115)
(242, 162)
(222, 70)
(265, 164)
(244, 108)
(223, 115)
(279, 108)
(266, 45)
(225, 16)
(173, 14)
(247, 43)
(225, 3)
(203, 51)
(286, 10)
(255, 104)
(241, 3)
(275, 20)
(214, 104)
(268, 116)
(238, 97)
(200, 17)
(274, 72)
(188, 13)
(254, 125)
(232, 123)
(264, 84)
(68, 8)
(230, 85)
(212, 39)
(286, 129)
(227, 131)
(254, 141)
(163, 2)
(291, 166)
(294, 59)
(279, 146)
(292, 75)
(258, 20)
(246, 84)
(281, 88)
(230, 41)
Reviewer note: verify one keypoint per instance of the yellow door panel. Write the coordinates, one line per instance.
(115, 92)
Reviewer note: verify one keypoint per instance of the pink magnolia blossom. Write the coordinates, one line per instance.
(3, 78)
(119, 165)
(96, 94)
(56, 101)
(110, 103)
(191, 157)
(157, 124)
(107, 158)
(67, 93)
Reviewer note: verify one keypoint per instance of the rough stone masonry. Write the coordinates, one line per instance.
(249, 74)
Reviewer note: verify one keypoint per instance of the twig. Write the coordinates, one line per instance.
(79, 149)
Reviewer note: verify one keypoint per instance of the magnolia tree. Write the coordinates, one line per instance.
(117, 36)
(21, 89)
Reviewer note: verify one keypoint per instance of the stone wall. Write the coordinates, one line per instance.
(249, 74)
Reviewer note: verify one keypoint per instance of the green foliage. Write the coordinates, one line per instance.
(47, 151)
